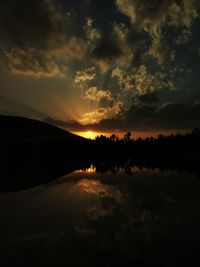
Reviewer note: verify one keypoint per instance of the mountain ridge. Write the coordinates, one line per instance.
(15, 128)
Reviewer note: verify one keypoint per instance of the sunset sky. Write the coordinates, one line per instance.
(112, 65)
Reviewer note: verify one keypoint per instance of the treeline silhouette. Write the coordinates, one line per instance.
(173, 152)
(173, 139)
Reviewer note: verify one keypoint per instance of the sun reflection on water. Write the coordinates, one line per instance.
(90, 170)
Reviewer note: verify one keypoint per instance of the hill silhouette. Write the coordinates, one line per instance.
(15, 129)
(34, 152)
(24, 140)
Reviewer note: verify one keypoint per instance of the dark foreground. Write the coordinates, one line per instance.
(68, 201)
(103, 216)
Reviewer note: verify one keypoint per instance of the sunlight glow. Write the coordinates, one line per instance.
(88, 134)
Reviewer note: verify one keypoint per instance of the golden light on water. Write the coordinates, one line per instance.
(92, 187)
(91, 169)
(95, 187)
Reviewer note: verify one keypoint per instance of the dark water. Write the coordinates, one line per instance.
(91, 219)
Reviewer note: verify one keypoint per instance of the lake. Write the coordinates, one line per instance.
(92, 217)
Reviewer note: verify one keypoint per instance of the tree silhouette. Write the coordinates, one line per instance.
(127, 137)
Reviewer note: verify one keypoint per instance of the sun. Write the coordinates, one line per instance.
(87, 134)
(90, 134)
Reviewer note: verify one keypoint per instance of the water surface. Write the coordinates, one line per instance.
(113, 218)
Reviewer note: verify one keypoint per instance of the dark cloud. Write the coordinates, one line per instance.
(153, 17)
(29, 23)
(139, 116)
(105, 103)
(144, 117)
(178, 115)
(106, 49)
(135, 42)
(137, 57)
(37, 37)
(168, 116)
(148, 98)
(32, 62)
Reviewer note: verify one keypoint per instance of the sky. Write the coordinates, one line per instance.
(113, 65)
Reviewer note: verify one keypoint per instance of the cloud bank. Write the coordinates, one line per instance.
(124, 67)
